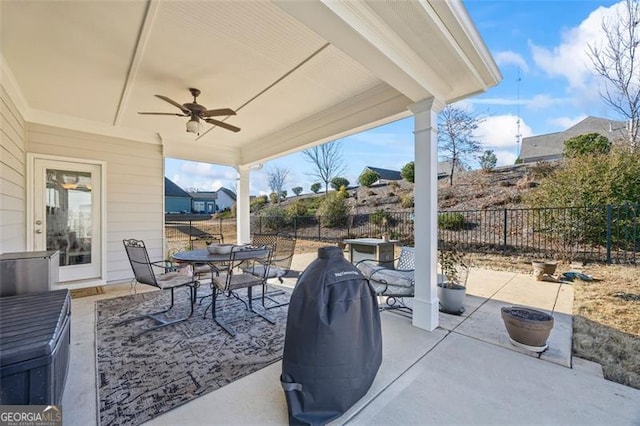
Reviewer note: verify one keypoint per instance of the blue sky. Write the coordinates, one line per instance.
(543, 42)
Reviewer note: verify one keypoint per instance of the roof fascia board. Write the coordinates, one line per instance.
(357, 31)
(486, 71)
(372, 27)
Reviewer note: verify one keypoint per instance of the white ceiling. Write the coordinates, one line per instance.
(297, 73)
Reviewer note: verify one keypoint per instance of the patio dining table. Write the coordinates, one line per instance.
(203, 256)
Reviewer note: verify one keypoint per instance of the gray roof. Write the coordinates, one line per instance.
(551, 145)
(173, 190)
(385, 174)
(204, 195)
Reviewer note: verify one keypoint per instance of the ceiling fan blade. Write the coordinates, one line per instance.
(222, 124)
(217, 112)
(162, 113)
(174, 103)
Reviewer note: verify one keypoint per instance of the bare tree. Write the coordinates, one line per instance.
(617, 60)
(327, 161)
(456, 137)
(276, 177)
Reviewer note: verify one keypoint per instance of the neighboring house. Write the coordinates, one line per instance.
(551, 145)
(444, 169)
(176, 199)
(212, 201)
(386, 175)
(226, 198)
(203, 202)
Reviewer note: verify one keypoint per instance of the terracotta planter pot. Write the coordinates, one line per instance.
(540, 268)
(527, 327)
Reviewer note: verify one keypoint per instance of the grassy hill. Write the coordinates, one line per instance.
(502, 187)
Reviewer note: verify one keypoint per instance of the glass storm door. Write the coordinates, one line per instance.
(67, 209)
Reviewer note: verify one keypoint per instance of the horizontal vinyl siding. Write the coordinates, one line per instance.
(134, 184)
(12, 176)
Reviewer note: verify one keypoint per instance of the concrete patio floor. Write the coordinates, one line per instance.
(464, 372)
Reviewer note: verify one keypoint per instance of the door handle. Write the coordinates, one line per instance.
(38, 231)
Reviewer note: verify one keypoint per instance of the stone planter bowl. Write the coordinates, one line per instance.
(528, 327)
(541, 268)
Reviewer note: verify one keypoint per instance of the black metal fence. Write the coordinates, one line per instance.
(601, 234)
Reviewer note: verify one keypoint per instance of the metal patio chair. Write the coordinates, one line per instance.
(169, 279)
(227, 281)
(393, 284)
(278, 267)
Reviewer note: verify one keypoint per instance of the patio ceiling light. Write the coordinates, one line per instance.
(193, 125)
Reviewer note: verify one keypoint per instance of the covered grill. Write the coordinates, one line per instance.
(333, 342)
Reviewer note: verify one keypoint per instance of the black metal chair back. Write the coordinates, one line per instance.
(140, 263)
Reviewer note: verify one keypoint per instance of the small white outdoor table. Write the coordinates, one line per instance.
(377, 249)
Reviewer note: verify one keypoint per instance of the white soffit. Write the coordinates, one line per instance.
(297, 73)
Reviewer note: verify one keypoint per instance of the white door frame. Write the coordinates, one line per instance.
(31, 159)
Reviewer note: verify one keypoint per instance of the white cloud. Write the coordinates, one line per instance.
(564, 123)
(544, 101)
(570, 59)
(508, 57)
(505, 157)
(499, 131)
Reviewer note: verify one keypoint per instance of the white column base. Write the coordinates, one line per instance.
(426, 314)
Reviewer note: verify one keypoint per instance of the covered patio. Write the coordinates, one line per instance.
(76, 74)
(464, 372)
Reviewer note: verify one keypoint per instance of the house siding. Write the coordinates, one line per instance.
(134, 182)
(12, 176)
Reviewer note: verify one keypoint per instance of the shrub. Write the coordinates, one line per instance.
(297, 190)
(368, 178)
(315, 187)
(451, 221)
(380, 218)
(273, 197)
(274, 217)
(258, 203)
(394, 184)
(283, 194)
(488, 160)
(338, 182)
(407, 201)
(542, 169)
(587, 144)
(333, 211)
(589, 182)
(408, 172)
(297, 208)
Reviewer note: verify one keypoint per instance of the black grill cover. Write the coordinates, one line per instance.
(333, 342)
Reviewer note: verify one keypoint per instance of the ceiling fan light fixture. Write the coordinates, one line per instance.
(193, 125)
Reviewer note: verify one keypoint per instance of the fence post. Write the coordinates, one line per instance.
(609, 219)
(295, 227)
(319, 230)
(504, 232)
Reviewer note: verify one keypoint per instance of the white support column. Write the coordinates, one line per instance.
(425, 303)
(242, 206)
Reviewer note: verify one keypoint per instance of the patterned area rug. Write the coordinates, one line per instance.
(142, 378)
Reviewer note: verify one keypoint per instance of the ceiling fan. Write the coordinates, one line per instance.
(197, 112)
